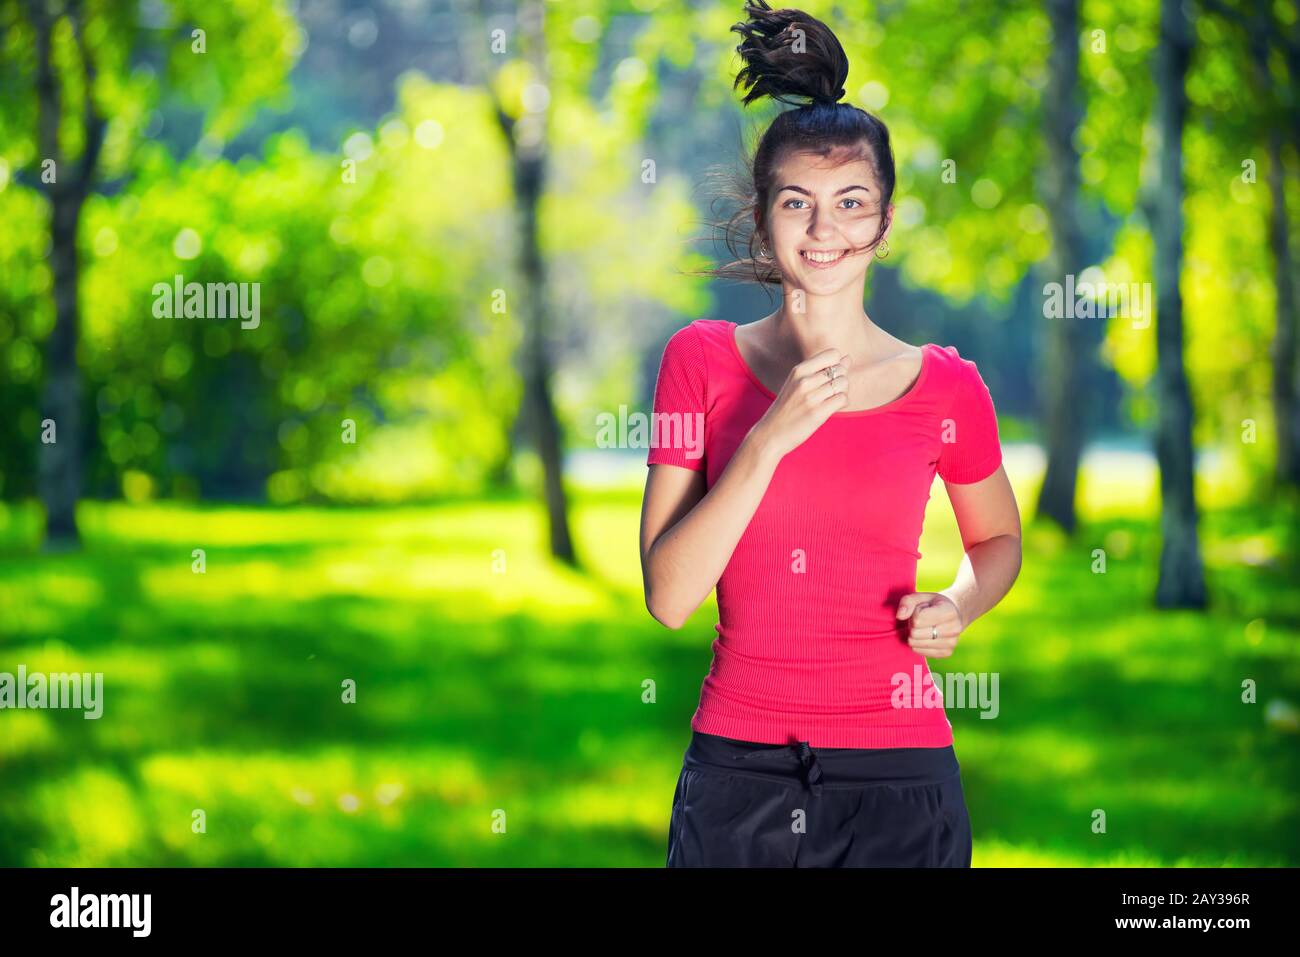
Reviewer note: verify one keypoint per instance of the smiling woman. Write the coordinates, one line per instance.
(806, 507)
(790, 63)
(855, 207)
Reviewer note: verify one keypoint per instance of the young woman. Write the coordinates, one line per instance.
(801, 498)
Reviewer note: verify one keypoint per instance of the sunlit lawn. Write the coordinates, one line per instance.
(493, 685)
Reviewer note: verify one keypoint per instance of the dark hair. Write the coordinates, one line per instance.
(794, 58)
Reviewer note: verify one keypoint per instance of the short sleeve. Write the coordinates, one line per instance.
(971, 449)
(677, 419)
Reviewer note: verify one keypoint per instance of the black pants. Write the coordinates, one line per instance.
(745, 804)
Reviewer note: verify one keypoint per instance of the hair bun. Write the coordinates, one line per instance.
(789, 56)
(830, 99)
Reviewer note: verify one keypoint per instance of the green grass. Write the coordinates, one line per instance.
(485, 695)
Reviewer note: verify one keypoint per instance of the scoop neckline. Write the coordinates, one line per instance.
(875, 410)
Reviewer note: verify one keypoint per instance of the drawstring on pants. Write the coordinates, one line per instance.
(812, 770)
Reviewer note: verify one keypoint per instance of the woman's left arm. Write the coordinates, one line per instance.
(989, 520)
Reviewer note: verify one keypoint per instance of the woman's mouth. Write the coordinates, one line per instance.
(822, 259)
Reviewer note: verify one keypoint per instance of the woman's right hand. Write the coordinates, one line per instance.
(807, 399)
(689, 529)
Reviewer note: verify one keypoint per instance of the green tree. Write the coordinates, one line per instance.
(90, 69)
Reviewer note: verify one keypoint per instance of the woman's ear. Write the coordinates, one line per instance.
(889, 221)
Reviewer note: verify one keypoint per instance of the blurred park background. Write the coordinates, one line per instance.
(473, 226)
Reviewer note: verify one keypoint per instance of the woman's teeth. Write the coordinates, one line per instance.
(820, 258)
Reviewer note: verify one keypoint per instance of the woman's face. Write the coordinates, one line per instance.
(820, 214)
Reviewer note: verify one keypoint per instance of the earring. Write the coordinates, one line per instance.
(884, 244)
(762, 250)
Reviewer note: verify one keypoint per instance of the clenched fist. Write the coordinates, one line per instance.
(935, 620)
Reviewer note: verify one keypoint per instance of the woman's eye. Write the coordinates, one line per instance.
(789, 201)
(859, 202)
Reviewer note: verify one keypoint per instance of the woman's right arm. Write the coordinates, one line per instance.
(687, 533)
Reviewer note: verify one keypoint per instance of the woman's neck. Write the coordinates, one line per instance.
(802, 326)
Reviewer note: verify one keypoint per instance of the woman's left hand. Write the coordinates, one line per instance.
(931, 612)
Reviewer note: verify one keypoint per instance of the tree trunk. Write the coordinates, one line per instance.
(1279, 241)
(540, 410)
(1279, 110)
(1181, 583)
(60, 465)
(526, 138)
(1066, 363)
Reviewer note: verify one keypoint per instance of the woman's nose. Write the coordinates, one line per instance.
(819, 226)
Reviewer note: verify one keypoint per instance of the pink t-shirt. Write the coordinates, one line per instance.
(808, 647)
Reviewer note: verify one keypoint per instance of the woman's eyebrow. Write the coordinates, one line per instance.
(800, 189)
